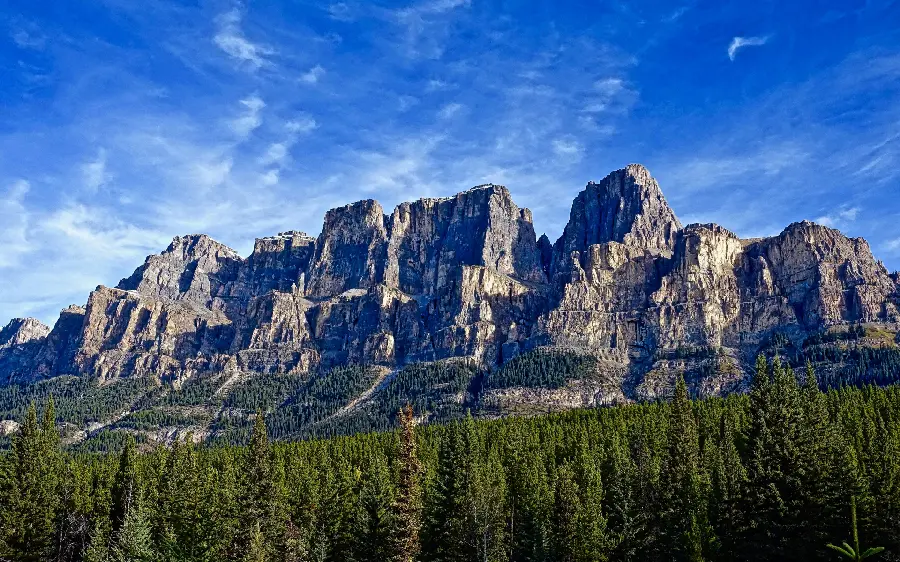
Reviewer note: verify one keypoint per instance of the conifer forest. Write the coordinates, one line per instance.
(778, 473)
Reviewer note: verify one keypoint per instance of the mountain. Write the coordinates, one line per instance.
(454, 303)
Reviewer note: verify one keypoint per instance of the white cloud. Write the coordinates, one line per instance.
(450, 110)
(312, 75)
(433, 7)
(426, 26)
(718, 169)
(250, 119)
(25, 39)
(568, 148)
(208, 175)
(14, 219)
(609, 86)
(435, 85)
(230, 38)
(301, 124)
(892, 246)
(275, 154)
(94, 173)
(609, 95)
(841, 219)
(93, 232)
(738, 43)
(340, 11)
(270, 177)
(404, 103)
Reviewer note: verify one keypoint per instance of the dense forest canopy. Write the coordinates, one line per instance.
(767, 475)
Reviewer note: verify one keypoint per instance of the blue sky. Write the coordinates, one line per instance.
(125, 123)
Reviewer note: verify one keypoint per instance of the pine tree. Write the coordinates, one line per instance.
(376, 526)
(626, 521)
(261, 498)
(125, 486)
(98, 547)
(133, 541)
(488, 498)
(565, 523)
(776, 495)
(530, 500)
(855, 552)
(407, 508)
(30, 496)
(729, 479)
(257, 551)
(455, 516)
(684, 519)
(340, 512)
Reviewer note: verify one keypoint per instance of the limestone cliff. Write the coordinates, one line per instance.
(466, 276)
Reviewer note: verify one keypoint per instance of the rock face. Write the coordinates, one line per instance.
(466, 276)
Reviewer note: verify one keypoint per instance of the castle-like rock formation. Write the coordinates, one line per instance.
(462, 276)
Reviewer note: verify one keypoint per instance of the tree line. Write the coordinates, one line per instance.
(774, 474)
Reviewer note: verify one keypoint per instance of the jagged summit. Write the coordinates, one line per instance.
(463, 276)
(22, 330)
(627, 206)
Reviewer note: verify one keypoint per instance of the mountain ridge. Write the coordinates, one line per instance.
(466, 277)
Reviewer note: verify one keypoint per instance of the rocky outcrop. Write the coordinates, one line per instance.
(626, 207)
(351, 251)
(431, 238)
(20, 343)
(465, 276)
(195, 269)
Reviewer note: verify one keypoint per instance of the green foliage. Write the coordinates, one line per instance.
(78, 400)
(543, 368)
(763, 476)
(855, 552)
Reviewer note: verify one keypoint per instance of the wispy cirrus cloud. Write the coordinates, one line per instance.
(892, 246)
(296, 121)
(28, 38)
(95, 173)
(425, 26)
(313, 75)
(451, 110)
(14, 219)
(839, 219)
(250, 118)
(738, 43)
(230, 38)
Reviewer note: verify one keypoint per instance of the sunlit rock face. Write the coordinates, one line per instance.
(466, 276)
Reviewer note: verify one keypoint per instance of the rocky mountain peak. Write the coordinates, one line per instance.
(463, 276)
(350, 251)
(22, 330)
(193, 268)
(627, 207)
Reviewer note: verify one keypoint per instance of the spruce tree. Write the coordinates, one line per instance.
(626, 522)
(257, 551)
(98, 548)
(729, 478)
(376, 527)
(684, 519)
(530, 500)
(776, 495)
(407, 508)
(566, 532)
(31, 494)
(133, 541)
(126, 485)
(261, 495)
